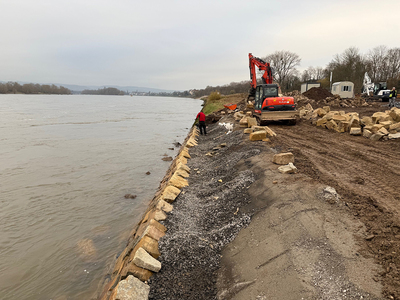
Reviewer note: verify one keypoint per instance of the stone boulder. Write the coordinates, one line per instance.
(170, 193)
(144, 260)
(355, 131)
(288, 169)
(251, 122)
(131, 289)
(243, 122)
(394, 136)
(283, 158)
(395, 114)
(258, 135)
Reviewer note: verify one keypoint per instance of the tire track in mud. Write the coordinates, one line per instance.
(372, 171)
(367, 176)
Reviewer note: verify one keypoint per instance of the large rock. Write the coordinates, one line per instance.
(375, 128)
(386, 124)
(183, 167)
(394, 136)
(144, 260)
(322, 122)
(251, 122)
(164, 205)
(170, 193)
(131, 289)
(327, 109)
(395, 126)
(366, 133)
(149, 244)
(177, 181)
(258, 135)
(354, 121)
(331, 125)
(366, 121)
(383, 131)
(248, 130)
(243, 122)
(395, 114)
(376, 136)
(288, 169)
(182, 173)
(140, 273)
(343, 127)
(379, 117)
(283, 158)
(355, 131)
(320, 112)
(339, 118)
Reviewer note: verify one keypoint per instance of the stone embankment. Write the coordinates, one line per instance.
(379, 126)
(137, 262)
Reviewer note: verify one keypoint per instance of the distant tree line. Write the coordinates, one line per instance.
(103, 91)
(31, 88)
(381, 63)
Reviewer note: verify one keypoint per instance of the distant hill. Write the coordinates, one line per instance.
(79, 88)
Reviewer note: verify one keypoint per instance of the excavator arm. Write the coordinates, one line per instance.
(262, 66)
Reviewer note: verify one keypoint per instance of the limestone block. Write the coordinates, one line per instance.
(367, 133)
(183, 167)
(249, 113)
(165, 206)
(251, 122)
(182, 173)
(288, 169)
(354, 121)
(386, 124)
(149, 244)
(283, 158)
(158, 225)
(355, 131)
(238, 115)
(258, 135)
(243, 122)
(394, 136)
(375, 128)
(339, 118)
(368, 127)
(157, 215)
(131, 289)
(302, 113)
(140, 273)
(185, 153)
(320, 112)
(309, 107)
(376, 136)
(343, 127)
(248, 130)
(395, 114)
(177, 181)
(327, 109)
(170, 193)
(383, 131)
(144, 260)
(322, 122)
(395, 126)
(379, 116)
(331, 125)
(366, 121)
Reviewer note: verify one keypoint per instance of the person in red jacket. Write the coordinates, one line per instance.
(202, 122)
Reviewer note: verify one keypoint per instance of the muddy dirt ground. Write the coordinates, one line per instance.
(242, 230)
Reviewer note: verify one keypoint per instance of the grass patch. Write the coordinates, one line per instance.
(211, 106)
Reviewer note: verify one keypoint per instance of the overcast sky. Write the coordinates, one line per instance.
(179, 44)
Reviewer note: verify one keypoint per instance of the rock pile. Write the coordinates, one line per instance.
(138, 261)
(380, 125)
(317, 93)
(328, 99)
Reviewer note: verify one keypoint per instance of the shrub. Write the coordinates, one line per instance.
(214, 96)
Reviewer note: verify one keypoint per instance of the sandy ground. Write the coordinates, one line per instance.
(242, 230)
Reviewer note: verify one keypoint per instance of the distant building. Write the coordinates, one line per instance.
(345, 89)
(308, 85)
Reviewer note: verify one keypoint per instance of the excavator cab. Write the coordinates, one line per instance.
(264, 91)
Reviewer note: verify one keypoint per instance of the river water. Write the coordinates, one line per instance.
(66, 163)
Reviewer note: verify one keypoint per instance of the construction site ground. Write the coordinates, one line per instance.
(242, 230)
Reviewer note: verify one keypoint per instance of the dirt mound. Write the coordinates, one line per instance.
(317, 93)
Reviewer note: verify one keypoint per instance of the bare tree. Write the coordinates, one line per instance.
(284, 64)
(377, 63)
(393, 63)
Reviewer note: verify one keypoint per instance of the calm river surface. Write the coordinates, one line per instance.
(66, 163)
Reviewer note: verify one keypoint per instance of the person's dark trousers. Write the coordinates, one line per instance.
(202, 126)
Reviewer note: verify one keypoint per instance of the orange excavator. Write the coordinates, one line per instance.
(268, 105)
